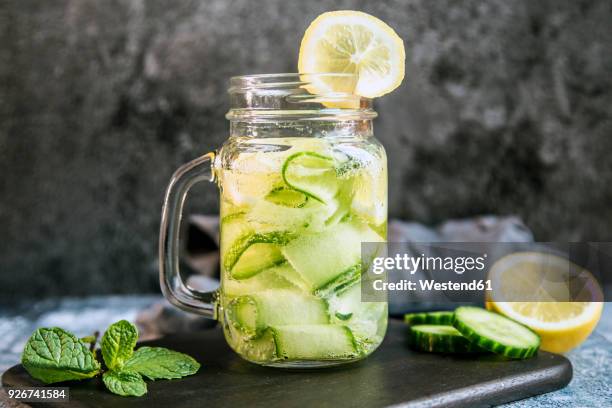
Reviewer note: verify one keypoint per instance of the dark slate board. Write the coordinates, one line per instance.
(394, 374)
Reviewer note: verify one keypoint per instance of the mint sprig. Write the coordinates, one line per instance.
(54, 355)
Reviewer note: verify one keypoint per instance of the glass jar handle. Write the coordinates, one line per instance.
(172, 285)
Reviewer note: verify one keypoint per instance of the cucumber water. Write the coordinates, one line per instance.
(294, 213)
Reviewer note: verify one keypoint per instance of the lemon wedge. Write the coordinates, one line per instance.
(551, 282)
(352, 42)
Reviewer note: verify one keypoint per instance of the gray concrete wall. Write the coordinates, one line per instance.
(505, 109)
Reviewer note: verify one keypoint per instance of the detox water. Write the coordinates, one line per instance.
(294, 212)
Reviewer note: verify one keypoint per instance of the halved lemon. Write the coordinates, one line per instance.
(353, 42)
(564, 301)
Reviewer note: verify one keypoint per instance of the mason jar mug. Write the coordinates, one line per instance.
(303, 183)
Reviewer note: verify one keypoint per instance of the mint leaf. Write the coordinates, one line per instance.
(125, 383)
(118, 343)
(158, 362)
(53, 355)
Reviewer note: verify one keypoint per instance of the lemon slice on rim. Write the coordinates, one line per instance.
(352, 42)
(564, 300)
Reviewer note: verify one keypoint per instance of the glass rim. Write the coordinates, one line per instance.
(281, 80)
(277, 96)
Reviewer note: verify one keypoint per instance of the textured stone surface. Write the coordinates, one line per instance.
(505, 109)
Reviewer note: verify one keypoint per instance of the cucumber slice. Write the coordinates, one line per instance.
(253, 253)
(314, 342)
(341, 282)
(311, 173)
(278, 277)
(287, 197)
(345, 307)
(440, 339)
(267, 216)
(370, 200)
(233, 227)
(255, 258)
(367, 167)
(286, 271)
(259, 349)
(346, 304)
(441, 318)
(288, 209)
(381, 229)
(322, 257)
(254, 313)
(343, 198)
(496, 333)
(254, 169)
(243, 314)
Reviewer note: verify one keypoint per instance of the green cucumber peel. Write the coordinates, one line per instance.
(436, 338)
(340, 283)
(287, 197)
(312, 191)
(232, 217)
(496, 333)
(441, 317)
(273, 256)
(238, 310)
